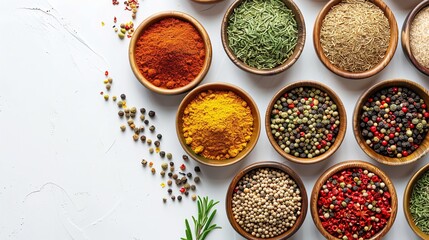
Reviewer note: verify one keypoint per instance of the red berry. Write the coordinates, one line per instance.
(404, 109)
(423, 106)
(426, 114)
(404, 153)
(384, 143)
(411, 125)
(366, 119)
(387, 100)
(373, 128)
(391, 136)
(291, 105)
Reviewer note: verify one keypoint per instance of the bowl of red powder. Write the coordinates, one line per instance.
(170, 52)
(353, 200)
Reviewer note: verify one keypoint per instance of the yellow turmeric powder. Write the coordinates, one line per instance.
(217, 124)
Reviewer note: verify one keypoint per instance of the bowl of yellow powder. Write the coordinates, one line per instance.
(415, 37)
(218, 124)
(355, 39)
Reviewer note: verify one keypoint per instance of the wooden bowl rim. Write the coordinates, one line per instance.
(356, 75)
(207, 1)
(299, 17)
(156, 18)
(417, 154)
(341, 110)
(347, 165)
(222, 87)
(267, 164)
(406, 201)
(405, 36)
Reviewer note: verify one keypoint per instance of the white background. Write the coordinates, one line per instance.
(66, 170)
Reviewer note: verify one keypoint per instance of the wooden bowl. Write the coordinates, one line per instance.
(356, 75)
(288, 63)
(347, 165)
(419, 152)
(341, 111)
(220, 87)
(275, 165)
(156, 18)
(407, 196)
(405, 36)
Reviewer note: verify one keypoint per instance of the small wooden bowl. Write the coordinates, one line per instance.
(405, 36)
(407, 197)
(341, 111)
(156, 18)
(419, 152)
(275, 165)
(220, 87)
(288, 63)
(356, 75)
(347, 165)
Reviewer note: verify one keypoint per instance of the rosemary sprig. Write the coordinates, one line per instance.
(202, 224)
(419, 203)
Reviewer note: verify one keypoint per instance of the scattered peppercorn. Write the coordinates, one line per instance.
(187, 186)
(152, 128)
(150, 164)
(366, 208)
(189, 175)
(159, 136)
(106, 97)
(193, 187)
(151, 113)
(151, 150)
(169, 182)
(121, 113)
(186, 193)
(146, 122)
(197, 179)
(153, 170)
(184, 180)
(171, 169)
(120, 104)
(394, 122)
(143, 138)
(123, 96)
(185, 157)
(144, 163)
(123, 128)
(114, 98)
(164, 166)
(108, 86)
(169, 156)
(135, 137)
(162, 173)
(175, 176)
(142, 117)
(162, 154)
(194, 197)
(170, 174)
(183, 167)
(197, 169)
(179, 198)
(305, 122)
(149, 142)
(164, 200)
(170, 191)
(182, 190)
(173, 197)
(142, 110)
(157, 143)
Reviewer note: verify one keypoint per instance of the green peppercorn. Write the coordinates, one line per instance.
(197, 179)
(106, 97)
(114, 98)
(142, 117)
(164, 166)
(133, 110)
(149, 142)
(194, 197)
(123, 128)
(108, 86)
(162, 173)
(187, 186)
(120, 104)
(151, 150)
(169, 156)
(152, 128)
(135, 137)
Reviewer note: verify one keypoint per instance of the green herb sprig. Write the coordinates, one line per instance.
(202, 224)
(419, 203)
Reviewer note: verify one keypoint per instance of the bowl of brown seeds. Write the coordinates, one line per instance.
(415, 37)
(266, 200)
(355, 38)
(306, 122)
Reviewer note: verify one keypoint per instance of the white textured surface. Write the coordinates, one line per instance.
(67, 172)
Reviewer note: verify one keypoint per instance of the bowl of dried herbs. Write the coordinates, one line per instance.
(263, 37)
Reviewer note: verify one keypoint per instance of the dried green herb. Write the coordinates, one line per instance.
(419, 203)
(202, 225)
(262, 33)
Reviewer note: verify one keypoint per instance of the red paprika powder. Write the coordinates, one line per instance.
(170, 53)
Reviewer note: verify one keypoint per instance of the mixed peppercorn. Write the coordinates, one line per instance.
(266, 202)
(354, 204)
(305, 122)
(129, 114)
(394, 122)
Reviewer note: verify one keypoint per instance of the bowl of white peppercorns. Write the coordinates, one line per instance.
(266, 200)
(306, 122)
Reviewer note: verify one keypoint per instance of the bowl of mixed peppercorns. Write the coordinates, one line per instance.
(390, 122)
(266, 200)
(353, 200)
(306, 122)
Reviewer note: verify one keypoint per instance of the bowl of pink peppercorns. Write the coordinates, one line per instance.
(353, 200)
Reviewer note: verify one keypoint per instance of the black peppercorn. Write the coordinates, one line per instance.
(159, 136)
(162, 154)
(197, 179)
(197, 169)
(189, 175)
(142, 110)
(185, 157)
(179, 198)
(123, 96)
